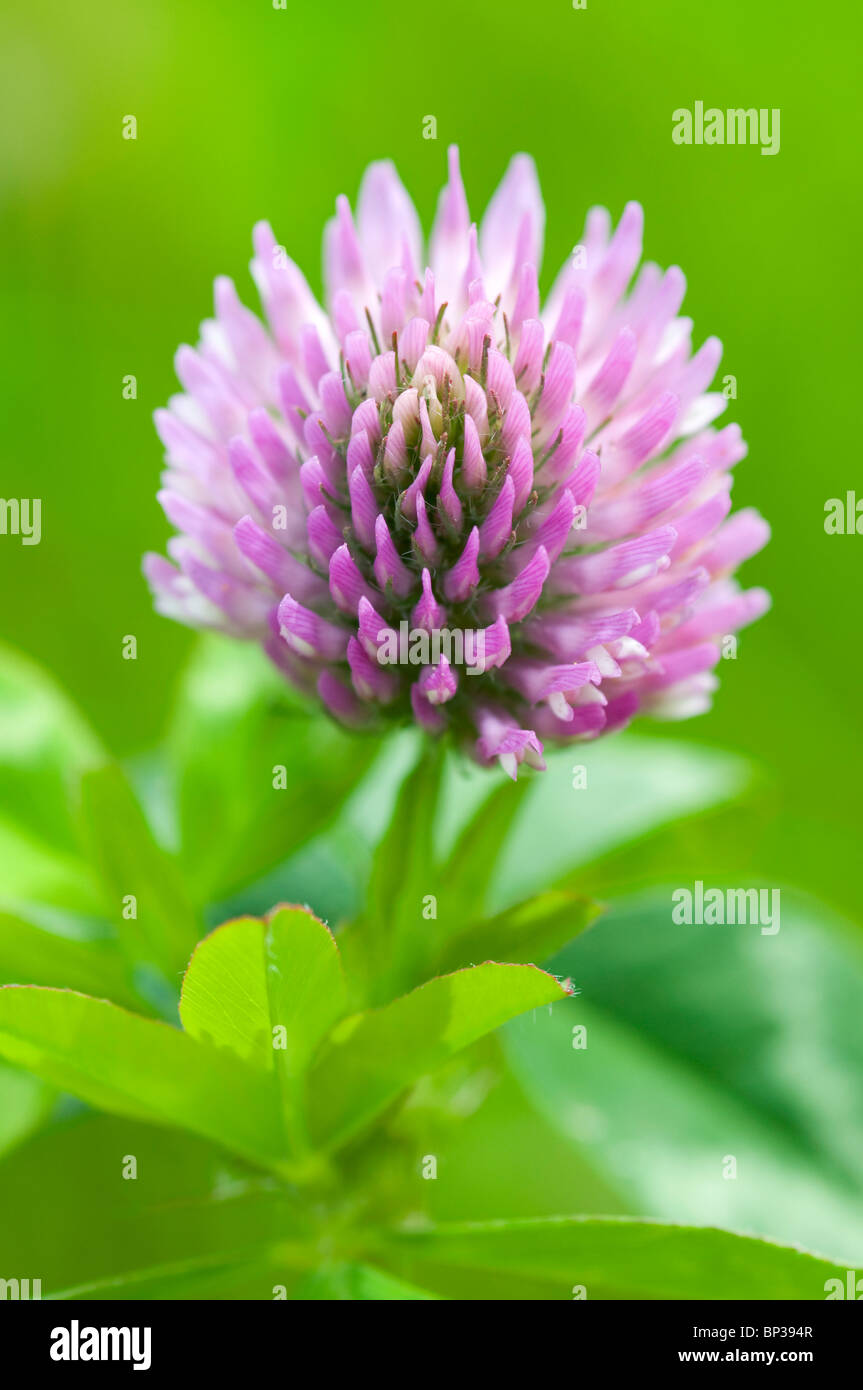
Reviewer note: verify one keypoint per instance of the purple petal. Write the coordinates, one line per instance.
(323, 537)
(308, 634)
(408, 499)
(618, 567)
(283, 571)
(438, 683)
(501, 738)
(389, 567)
(347, 585)
(448, 501)
(447, 246)
(516, 202)
(428, 613)
(496, 529)
(460, 582)
(474, 469)
(386, 219)
(423, 539)
(520, 470)
(516, 600)
(364, 509)
(339, 699)
(370, 679)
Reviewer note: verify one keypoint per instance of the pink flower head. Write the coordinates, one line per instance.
(439, 500)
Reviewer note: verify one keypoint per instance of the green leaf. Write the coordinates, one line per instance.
(634, 785)
(24, 1103)
(236, 722)
(270, 992)
(613, 1258)
(224, 996)
(372, 1057)
(722, 841)
(305, 983)
(711, 1043)
(132, 1210)
(478, 844)
(403, 856)
(164, 928)
(540, 1172)
(307, 997)
(31, 954)
(389, 946)
(467, 873)
(212, 1278)
(531, 931)
(45, 744)
(140, 1068)
(352, 1282)
(34, 870)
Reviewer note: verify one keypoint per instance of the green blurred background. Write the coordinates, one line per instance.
(109, 249)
